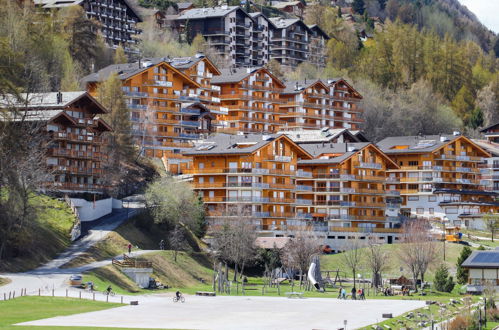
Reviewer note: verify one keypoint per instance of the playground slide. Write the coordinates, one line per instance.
(311, 276)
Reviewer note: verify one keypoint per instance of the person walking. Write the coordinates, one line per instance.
(344, 293)
(129, 248)
(354, 292)
(162, 244)
(362, 295)
(340, 293)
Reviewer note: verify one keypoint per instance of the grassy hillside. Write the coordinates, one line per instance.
(139, 231)
(191, 271)
(44, 238)
(452, 251)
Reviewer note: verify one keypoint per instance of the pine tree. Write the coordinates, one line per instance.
(339, 12)
(461, 273)
(359, 6)
(449, 285)
(247, 6)
(441, 276)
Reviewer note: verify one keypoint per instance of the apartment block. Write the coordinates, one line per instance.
(117, 19)
(439, 178)
(165, 103)
(254, 170)
(251, 96)
(237, 36)
(318, 41)
(76, 150)
(490, 167)
(314, 104)
(343, 191)
(289, 41)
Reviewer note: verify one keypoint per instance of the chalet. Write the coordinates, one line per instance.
(483, 270)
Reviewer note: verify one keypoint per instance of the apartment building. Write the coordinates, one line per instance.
(490, 168)
(325, 136)
(237, 36)
(345, 104)
(343, 191)
(254, 170)
(439, 177)
(251, 96)
(165, 104)
(318, 41)
(289, 41)
(76, 150)
(314, 104)
(117, 19)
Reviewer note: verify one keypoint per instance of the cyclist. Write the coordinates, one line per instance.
(109, 290)
(178, 295)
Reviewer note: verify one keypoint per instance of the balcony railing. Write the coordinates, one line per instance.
(375, 166)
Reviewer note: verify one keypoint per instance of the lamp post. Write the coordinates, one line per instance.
(345, 324)
(444, 220)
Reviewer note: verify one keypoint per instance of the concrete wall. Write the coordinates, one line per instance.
(90, 211)
(139, 275)
(117, 204)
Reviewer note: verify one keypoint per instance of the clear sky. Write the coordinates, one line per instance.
(487, 12)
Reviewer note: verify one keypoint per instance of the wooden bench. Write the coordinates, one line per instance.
(294, 294)
(205, 293)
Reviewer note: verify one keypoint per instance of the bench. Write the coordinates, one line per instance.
(294, 294)
(205, 293)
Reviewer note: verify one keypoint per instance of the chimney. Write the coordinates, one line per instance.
(59, 97)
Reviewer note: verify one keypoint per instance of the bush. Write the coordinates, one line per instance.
(459, 323)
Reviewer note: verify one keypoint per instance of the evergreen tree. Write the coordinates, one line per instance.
(441, 278)
(382, 4)
(449, 285)
(464, 104)
(461, 273)
(119, 55)
(188, 32)
(247, 6)
(339, 12)
(359, 6)
(496, 47)
(69, 80)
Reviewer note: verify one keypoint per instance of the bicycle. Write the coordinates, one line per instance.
(177, 299)
(109, 293)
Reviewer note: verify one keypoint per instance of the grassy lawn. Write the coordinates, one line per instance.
(44, 238)
(396, 267)
(26, 309)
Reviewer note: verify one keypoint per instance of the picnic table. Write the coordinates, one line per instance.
(294, 294)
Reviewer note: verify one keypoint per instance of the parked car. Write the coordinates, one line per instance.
(75, 280)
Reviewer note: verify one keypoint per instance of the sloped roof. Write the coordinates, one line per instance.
(319, 30)
(233, 75)
(415, 144)
(42, 100)
(201, 13)
(489, 127)
(184, 5)
(294, 87)
(282, 23)
(317, 135)
(482, 259)
(491, 147)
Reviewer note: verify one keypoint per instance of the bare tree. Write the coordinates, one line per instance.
(234, 240)
(298, 252)
(491, 221)
(378, 260)
(177, 240)
(418, 250)
(353, 256)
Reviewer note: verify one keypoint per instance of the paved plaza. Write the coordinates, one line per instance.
(238, 313)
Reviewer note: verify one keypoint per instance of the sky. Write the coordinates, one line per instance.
(487, 12)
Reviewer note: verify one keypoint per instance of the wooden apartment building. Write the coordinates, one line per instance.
(169, 108)
(251, 96)
(439, 177)
(314, 104)
(76, 150)
(255, 170)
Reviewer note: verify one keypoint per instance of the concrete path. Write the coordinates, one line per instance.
(239, 313)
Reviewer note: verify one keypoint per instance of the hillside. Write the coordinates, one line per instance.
(40, 240)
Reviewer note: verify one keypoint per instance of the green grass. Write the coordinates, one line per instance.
(452, 251)
(44, 238)
(26, 309)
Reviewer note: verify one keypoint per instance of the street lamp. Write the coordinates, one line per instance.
(444, 220)
(345, 324)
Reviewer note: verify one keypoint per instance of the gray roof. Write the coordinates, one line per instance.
(201, 13)
(57, 3)
(33, 115)
(183, 5)
(317, 149)
(282, 23)
(491, 147)
(482, 259)
(233, 75)
(416, 144)
(127, 70)
(42, 100)
(294, 87)
(228, 144)
(316, 135)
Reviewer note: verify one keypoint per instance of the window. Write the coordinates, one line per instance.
(413, 163)
(201, 166)
(419, 211)
(201, 180)
(451, 211)
(413, 198)
(212, 194)
(432, 198)
(431, 210)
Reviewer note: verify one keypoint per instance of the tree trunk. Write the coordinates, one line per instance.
(354, 271)
(175, 255)
(415, 277)
(235, 272)
(242, 271)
